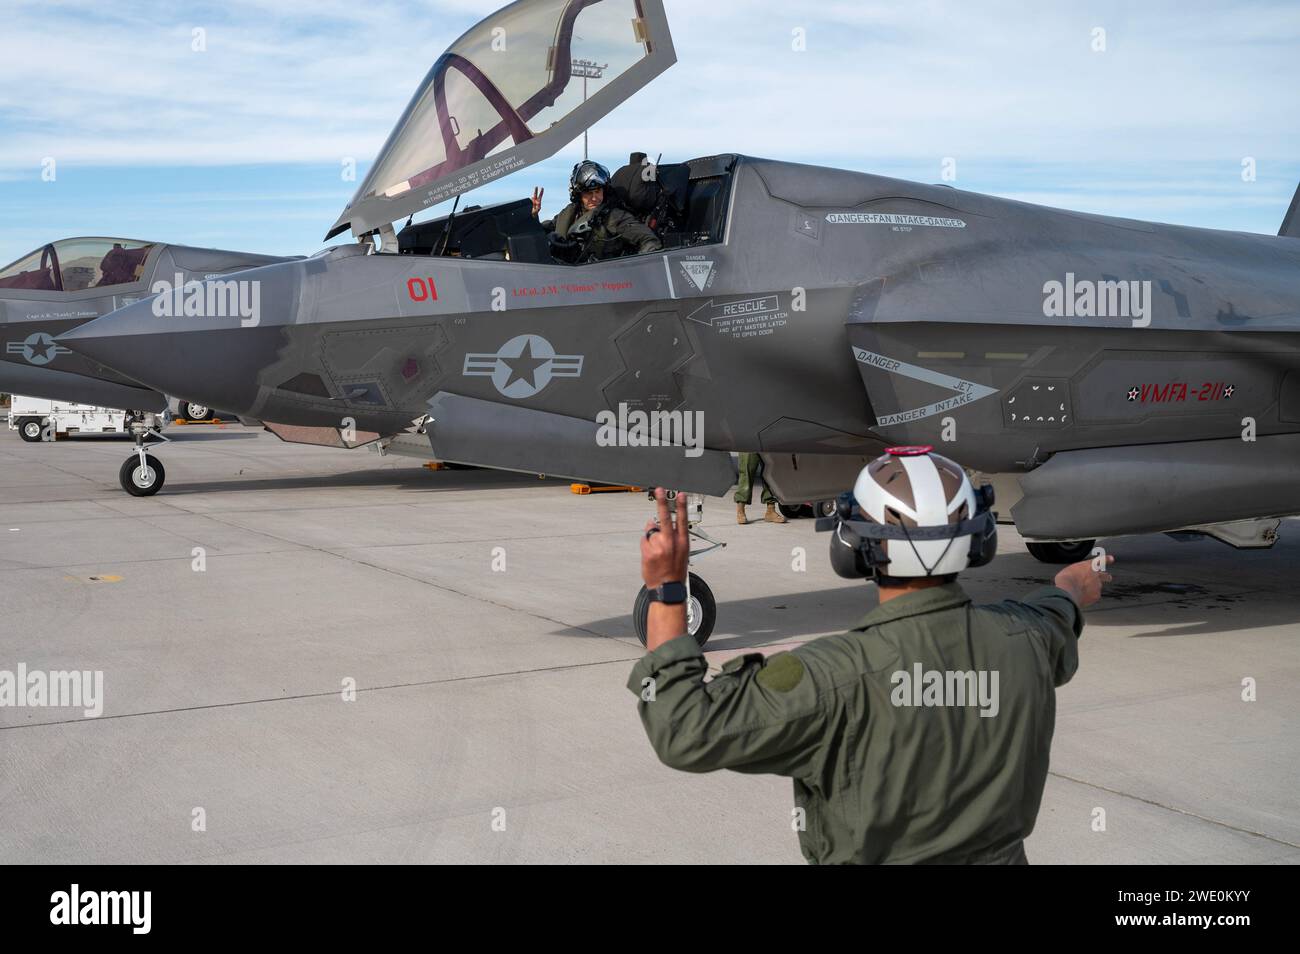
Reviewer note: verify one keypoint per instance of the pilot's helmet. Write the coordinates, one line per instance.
(587, 175)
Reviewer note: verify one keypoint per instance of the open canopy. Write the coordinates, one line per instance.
(514, 90)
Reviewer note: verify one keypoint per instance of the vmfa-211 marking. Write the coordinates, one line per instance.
(923, 318)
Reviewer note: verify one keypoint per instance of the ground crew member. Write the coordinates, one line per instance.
(920, 735)
(749, 466)
(598, 229)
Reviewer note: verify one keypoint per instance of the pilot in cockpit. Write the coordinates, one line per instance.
(590, 227)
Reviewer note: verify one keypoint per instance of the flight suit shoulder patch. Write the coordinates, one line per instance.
(782, 673)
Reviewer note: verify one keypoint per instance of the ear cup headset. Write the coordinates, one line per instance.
(911, 485)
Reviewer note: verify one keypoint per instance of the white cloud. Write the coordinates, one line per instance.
(322, 80)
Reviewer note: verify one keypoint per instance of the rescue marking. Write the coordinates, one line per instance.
(743, 318)
(765, 304)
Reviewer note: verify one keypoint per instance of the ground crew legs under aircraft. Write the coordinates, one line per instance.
(920, 735)
(749, 467)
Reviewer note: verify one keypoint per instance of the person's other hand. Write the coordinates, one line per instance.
(1083, 582)
(666, 546)
(537, 201)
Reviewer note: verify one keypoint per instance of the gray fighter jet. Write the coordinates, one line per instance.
(1110, 376)
(67, 283)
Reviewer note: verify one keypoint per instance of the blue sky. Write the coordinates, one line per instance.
(241, 145)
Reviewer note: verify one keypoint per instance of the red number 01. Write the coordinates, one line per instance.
(419, 291)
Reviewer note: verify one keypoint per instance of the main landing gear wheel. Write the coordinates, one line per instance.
(701, 611)
(195, 412)
(142, 481)
(30, 429)
(1061, 552)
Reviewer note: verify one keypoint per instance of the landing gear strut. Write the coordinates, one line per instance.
(142, 474)
(701, 607)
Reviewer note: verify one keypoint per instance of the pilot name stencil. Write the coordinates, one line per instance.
(966, 391)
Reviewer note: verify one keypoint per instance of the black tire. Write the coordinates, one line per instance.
(701, 615)
(29, 429)
(1061, 552)
(825, 508)
(790, 511)
(157, 476)
(195, 412)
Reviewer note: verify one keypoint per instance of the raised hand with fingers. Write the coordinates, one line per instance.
(665, 554)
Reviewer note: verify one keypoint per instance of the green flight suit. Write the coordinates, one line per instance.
(607, 232)
(747, 467)
(879, 777)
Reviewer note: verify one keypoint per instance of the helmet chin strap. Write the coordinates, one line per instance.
(929, 570)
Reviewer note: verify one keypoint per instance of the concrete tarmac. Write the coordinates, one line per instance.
(484, 619)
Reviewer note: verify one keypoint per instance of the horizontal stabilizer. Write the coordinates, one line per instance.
(470, 431)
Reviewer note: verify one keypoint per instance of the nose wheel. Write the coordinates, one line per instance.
(701, 611)
(142, 475)
(701, 607)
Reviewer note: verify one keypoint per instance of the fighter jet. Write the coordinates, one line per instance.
(1110, 376)
(67, 283)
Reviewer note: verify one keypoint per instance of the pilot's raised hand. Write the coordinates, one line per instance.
(537, 201)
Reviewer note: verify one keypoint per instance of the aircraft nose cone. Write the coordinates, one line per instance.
(205, 341)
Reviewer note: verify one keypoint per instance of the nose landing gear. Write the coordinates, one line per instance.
(142, 474)
(701, 607)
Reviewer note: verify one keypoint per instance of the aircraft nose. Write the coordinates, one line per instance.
(206, 341)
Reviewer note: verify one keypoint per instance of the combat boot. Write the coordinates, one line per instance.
(741, 518)
(773, 515)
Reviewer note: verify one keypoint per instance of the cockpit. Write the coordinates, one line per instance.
(78, 264)
(684, 205)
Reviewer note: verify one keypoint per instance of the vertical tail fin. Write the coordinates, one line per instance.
(1291, 223)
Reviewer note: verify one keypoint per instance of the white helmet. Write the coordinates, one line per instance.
(920, 516)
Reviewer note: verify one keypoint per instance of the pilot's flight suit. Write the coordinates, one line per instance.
(605, 232)
(880, 781)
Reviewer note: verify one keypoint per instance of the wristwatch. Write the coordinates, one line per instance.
(670, 593)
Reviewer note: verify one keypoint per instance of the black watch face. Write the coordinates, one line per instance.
(672, 593)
